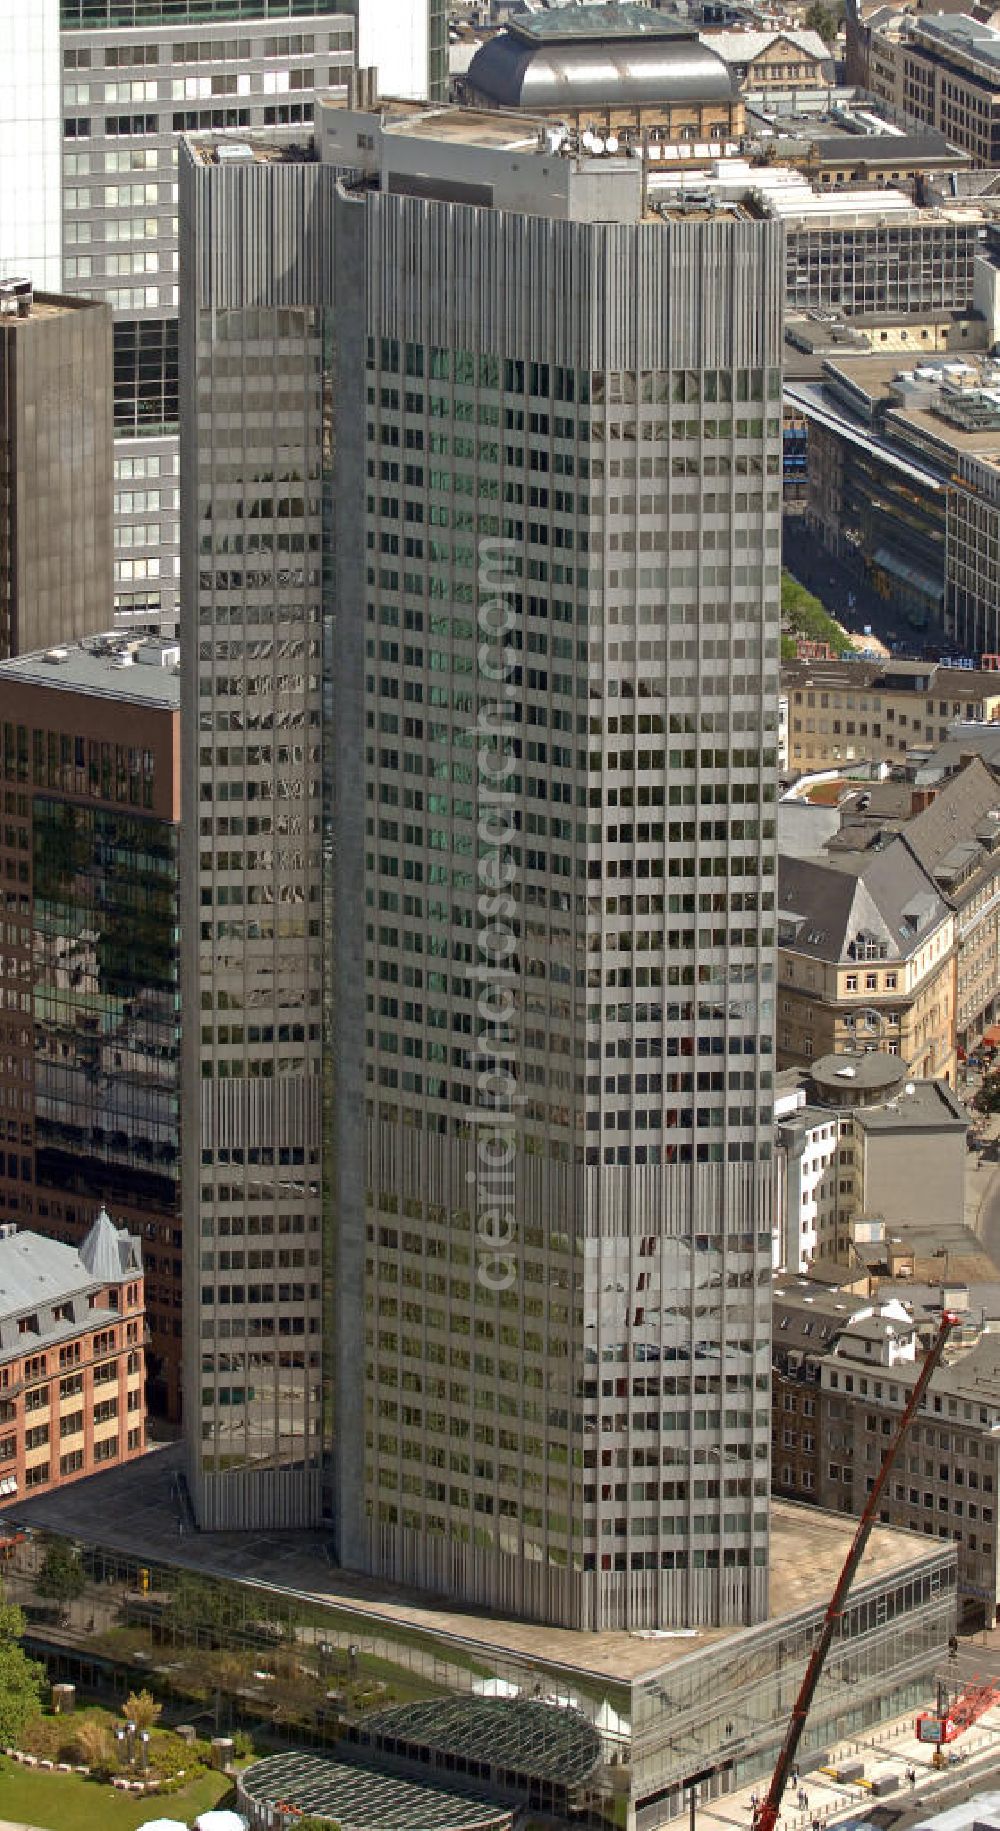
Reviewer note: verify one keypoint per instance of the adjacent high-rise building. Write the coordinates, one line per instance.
(55, 467)
(30, 142)
(105, 87)
(90, 775)
(481, 505)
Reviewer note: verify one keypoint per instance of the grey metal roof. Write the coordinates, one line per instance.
(39, 1276)
(512, 72)
(889, 897)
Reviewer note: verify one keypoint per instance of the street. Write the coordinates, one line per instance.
(834, 581)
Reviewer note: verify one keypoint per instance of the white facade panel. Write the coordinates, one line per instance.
(394, 38)
(30, 140)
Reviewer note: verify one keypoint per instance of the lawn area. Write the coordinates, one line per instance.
(66, 1802)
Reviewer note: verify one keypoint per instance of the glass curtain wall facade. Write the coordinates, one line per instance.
(565, 1410)
(105, 1003)
(252, 926)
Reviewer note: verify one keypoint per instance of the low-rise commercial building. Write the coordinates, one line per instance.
(945, 1485)
(857, 1137)
(628, 1720)
(943, 70)
(865, 960)
(843, 712)
(844, 1367)
(72, 1397)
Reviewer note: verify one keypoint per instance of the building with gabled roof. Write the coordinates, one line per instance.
(865, 960)
(72, 1375)
(953, 827)
(780, 59)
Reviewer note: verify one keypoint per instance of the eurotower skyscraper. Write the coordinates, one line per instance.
(481, 509)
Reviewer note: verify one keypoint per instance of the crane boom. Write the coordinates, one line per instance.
(766, 1816)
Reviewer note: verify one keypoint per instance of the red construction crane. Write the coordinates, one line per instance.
(952, 1717)
(766, 1814)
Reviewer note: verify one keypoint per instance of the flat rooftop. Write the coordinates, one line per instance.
(930, 1103)
(505, 131)
(133, 1509)
(113, 666)
(37, 307)
(962, 33)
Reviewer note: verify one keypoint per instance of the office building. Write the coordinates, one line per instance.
(846, 712)
(55, 467)
(943, 71)
(434, 441)
(955, 832)
(30, 143)
(844, 1369)
(71, 1357)
(868, 252)
(904, 462)
(89, 776)
(104, 87)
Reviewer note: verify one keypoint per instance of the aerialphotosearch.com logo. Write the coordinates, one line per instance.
(495, 1053)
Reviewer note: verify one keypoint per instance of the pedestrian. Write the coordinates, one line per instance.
(795, 1776)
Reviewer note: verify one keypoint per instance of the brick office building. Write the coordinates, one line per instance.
(71, 1357)
(88, 968)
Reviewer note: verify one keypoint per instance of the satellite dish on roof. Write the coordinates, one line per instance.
(612, 143)
(598, 143)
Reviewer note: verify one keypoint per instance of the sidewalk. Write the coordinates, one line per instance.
(981, 1173)
(892, 1748)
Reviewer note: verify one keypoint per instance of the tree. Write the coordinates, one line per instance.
(142, 1709)
(824, 19)
(802, 614)
(21, 1679)
(987, 1100)
(61, 1578)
